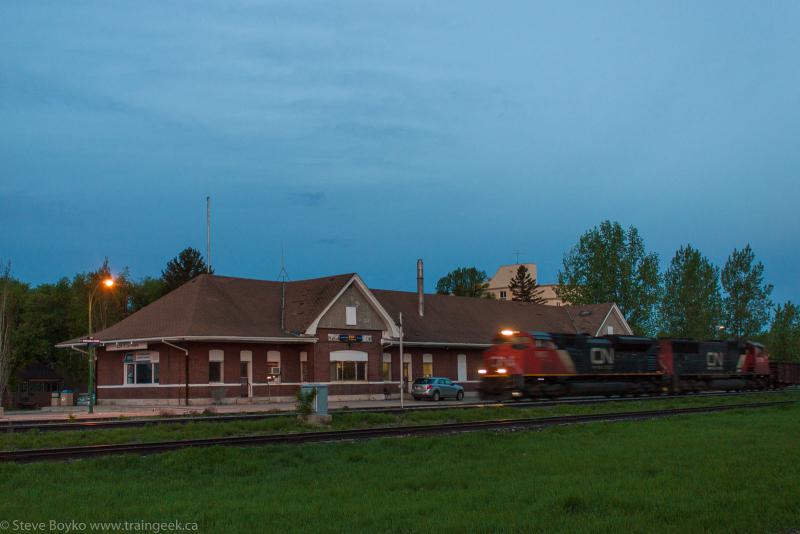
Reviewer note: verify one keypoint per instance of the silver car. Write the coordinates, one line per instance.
(436, 388)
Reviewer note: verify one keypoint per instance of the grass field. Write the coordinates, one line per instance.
(728, 472)
(203, 429)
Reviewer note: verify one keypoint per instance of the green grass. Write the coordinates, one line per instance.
(345, 420)
(727, 472)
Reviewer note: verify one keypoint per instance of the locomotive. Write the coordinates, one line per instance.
(548, 365)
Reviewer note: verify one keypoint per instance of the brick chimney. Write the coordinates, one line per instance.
(420, 288)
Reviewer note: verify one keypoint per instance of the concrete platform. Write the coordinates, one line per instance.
(113, 412)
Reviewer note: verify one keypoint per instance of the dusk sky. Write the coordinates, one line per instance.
(360, 136)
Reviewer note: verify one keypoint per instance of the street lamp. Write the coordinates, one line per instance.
(107, 283)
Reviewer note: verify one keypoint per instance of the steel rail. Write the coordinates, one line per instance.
(77, 452)
(51, 425)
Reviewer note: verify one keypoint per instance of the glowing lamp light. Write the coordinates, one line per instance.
(507, 332)
(108, 282)
(481, 371)
(501, 371)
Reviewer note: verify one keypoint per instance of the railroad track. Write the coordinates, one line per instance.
(71, 453)
(97, 424)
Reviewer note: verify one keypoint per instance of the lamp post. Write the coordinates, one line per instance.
(108, 283)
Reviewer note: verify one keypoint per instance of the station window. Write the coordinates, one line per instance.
(141, 373)
(427, 369)
(215, 371)
(348, 371)
(386, 371)
(503, 295)
(303, 367)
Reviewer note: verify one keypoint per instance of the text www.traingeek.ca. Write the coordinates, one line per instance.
(100, 526)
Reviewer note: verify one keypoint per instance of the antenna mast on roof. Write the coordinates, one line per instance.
(208, 235)
(282, 276)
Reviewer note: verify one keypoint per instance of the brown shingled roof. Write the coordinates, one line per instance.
(221, 306)
(211, 306)
(451, 319)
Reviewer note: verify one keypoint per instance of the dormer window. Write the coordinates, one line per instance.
(350, 315)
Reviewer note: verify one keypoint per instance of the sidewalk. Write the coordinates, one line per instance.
(112, 412)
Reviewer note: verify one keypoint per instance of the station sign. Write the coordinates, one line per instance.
(350, 338)
(126, 346)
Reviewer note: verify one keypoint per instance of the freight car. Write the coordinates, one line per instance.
(783, 374)
(541, 364)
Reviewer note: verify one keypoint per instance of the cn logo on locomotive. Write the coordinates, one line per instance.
(601, 356)
(715, 360)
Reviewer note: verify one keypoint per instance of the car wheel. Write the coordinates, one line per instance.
(436, 396)
(460, 395)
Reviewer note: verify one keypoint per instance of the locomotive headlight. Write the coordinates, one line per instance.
(481, 371)
(507, 332)
(501, 371)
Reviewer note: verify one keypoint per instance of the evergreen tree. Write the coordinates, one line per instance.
(182, 268)
(524, 288)
(746, 305)
(783, 341)
(464, 282)
(610, 264)
(691, 306)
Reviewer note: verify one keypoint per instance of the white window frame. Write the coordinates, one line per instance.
(303, 366)
(217, 356)
(427, 359)
(387, 358)
(351, 356)
(350, 316)
(275, 356)
(462, 367)
(140, 358)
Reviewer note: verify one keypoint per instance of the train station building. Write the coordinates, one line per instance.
(239, 340)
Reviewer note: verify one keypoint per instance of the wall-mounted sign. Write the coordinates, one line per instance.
(126, 346)
(351, 338)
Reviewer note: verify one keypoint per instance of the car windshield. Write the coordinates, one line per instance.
(424, 381)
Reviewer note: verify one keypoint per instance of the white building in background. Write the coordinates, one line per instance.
(498, 285)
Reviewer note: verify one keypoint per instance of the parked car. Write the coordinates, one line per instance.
(436, 388)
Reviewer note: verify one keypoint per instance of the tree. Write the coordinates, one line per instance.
(524, 288)
(108, 306)
(182, 268)
(783, 340)
(691, 305)
(610, 264)
(145, 291)
(7, 353)
(746, 304)
(464, 282)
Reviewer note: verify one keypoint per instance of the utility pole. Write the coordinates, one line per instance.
(402, 363)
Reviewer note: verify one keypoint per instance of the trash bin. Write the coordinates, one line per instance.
(55, 399)
(83, 399)
(321, 400)
(67, 397)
